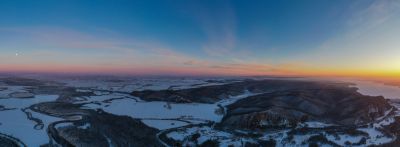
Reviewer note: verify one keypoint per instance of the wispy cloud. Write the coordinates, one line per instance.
(68, 50)
(373, 16)
(56, 44)
(219, 26)
(369, 43)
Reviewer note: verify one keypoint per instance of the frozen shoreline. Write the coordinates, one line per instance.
(377, 89)
(20, 126)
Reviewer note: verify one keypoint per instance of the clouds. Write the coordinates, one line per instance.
(58, 49)
(378, 12)
(220, 28)
(213, 37)
(218, 23)
(368, 44)
(68, 46)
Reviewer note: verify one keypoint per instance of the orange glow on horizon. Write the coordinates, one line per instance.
(252, 70)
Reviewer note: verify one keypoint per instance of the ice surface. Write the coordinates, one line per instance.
(315, 124)
(165, 124)
(5, 91)
(343, 139)
(26, 102)
(162, 110)
(113, 97)
(15, 122)
(376, 137)
(377, 89)
(138, 84)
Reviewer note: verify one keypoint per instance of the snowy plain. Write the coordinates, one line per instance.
(15, 123)
(113, 97)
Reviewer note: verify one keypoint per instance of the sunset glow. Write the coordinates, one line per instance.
(312, 38)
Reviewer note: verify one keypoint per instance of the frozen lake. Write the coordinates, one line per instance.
(377, 89)
(161, 115)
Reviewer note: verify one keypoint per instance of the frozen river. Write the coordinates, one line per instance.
(159, 115)
(15, 123)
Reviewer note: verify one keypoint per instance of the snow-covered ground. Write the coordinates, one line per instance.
(15, 123)
(366, 87)
(207, 133)
(167, 124)
(375, 137)
(113, 97)
(153, 113)
(5, 91)
(138, 84)
(315, 124)
(161, 110)
(164, 115)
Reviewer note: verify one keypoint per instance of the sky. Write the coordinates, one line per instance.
(205, 37)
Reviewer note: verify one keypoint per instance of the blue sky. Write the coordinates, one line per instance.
(256, 36)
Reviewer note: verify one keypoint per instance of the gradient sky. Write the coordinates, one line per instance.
(216, 37)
